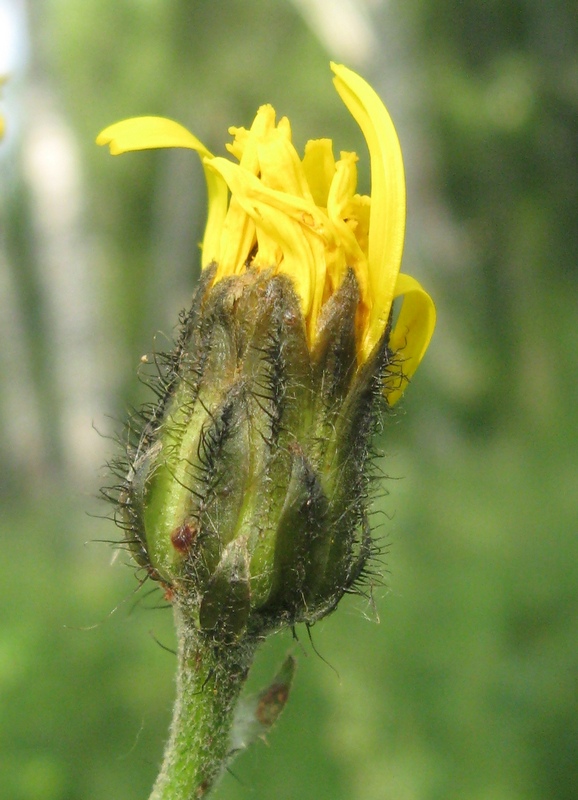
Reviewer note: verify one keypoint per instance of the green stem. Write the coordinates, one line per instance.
(209, 679)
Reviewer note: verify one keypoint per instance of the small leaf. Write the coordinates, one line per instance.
(256, 714)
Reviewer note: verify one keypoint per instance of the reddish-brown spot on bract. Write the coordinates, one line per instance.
(169, 594)
(183, 537)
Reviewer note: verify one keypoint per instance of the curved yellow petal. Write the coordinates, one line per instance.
(150, 133)
(412, 333)
(387, 214)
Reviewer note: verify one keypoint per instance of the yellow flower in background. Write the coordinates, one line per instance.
(2, 122)
(303, 217)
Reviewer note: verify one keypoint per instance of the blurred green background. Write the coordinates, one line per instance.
(468, 687)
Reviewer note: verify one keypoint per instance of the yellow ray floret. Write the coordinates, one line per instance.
(302, 216)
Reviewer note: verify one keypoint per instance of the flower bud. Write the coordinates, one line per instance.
(248, 487)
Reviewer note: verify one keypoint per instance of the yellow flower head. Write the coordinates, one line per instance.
(271, 209)
(2, 121)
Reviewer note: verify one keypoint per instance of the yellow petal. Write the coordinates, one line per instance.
(412, 333)
(296, 224)
(343, 184)
(387, 214)
(319, 169)
(250, 190)
(338, 208)
(281, 167)
(149, 133)
(237, 241)
(245, 142)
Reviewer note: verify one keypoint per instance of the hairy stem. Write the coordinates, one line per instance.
(209, 680)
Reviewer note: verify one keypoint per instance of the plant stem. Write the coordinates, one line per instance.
(209, 679)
